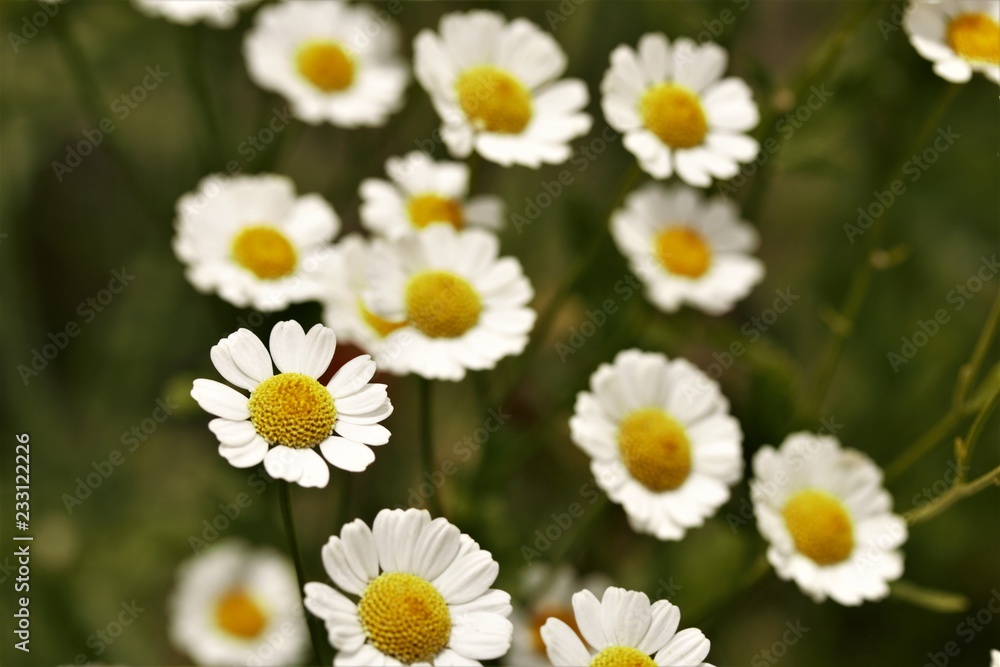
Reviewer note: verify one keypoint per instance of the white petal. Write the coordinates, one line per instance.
(587, 609)
(250, 355)
(687, 648)
(346, 454)
(232, 433)
(222, 358)
(482, 636)
(563, 646)
(283, 462)
(220, 400)
(352, 376)
(246, 455)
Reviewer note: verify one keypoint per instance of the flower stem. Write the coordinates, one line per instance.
(427, 442)
(952, 496)
(285, 502)
(191, 46)
(942, 602)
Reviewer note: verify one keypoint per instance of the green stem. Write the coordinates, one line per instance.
(285, 502)
(967, 374)
(925, 444)
(192, 55)
(952, 496)
(558, 553)
(965, 446)
(942, 602)
(427, 442)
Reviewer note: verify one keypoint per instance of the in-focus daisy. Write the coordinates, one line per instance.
(216, 13)
(623, 628)
(286, 416)
(237, 605)
(464, 308)
(495, 86)
(422, 192)
(828, 519)
(959, 36)
(549, 593)
(422, 593)
(686, 249)
(677, 116)
(334, 62)
(661, 440)
(252, 240)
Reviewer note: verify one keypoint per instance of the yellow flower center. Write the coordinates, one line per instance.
(564, 614)
(326, 65)
(441, 304)
(820, 526)
(427, 208)
(380, 325)
(239, 615)
(292, 409)
(405, 617)
(655, 449)
(975, 37)
(494, 100)
(622, 656)
(674, 114)
(683, 251)
(265, 251)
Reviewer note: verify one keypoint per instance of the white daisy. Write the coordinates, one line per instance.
(994, 658)
(661, 440)
(334, 62)
(675, 112)
(549, 593)
(686, 249)
(237, 605)
(494, 85)
(252, 240)
(422, 192)
(216, 13)
(959, 36)
(289, 414)
(464, 308)
(423, 592)
(623, 628)
(828, 519)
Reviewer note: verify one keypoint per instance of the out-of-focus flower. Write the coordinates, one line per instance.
(959, 36)
(661, 440)
(216, 13)
(686, 249)
(677, 116)
(494, 85)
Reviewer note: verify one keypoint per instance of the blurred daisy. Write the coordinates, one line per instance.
(464, 308)
(994, 658)
(675, 112)
(828, 519)
(236, 605)
(421, 192)
(252, 240)
(289, 414)
(686, 249)
(661, 440)
(334, 62)
(423, 592)
(216, 13)
(959, 36)
(549, 591)
(495, 86)
(623, 628)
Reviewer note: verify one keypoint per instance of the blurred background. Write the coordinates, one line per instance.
(67, 229)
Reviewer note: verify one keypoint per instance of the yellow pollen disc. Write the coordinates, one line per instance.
(441, 304)
(326, 65)
(382, 326)
(493, 99)
(975, 37)
(265, 251)
(564, 614)
(655, 449)
(820, 526)
(622, 656)
(292, 409)
(683, 251)
(674, 114)
(427, 208)
(238, 614)
(405, 617)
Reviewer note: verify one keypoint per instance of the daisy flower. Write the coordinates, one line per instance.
(286, 416)
(677, 116)
(237, 605)
(216, 13)
(421, 192)
(661, 440)
(464, 308)
(252, 240)
(494, 85)
(959, 36)
(423, 594)
(334, 62)
(827, 518)
(687, 249)
(623, 628)
(549, 591)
